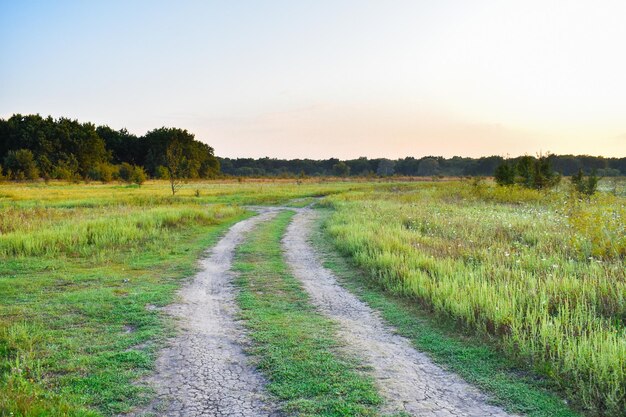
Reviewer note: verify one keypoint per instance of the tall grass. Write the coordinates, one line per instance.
(542, 274)
(123, 227)
(79, 264)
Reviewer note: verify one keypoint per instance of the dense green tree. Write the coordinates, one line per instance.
(341, 169)
(483, 166)
(528, 171)
(543, 174)
(132, 174)
(428, 167)
(197, 158)
(407, 166)
(525, 171)
(585, 185)
(104, 172)
(123, 146)
(20, 165)
(505, 174)
(360, 166)
(386, 167)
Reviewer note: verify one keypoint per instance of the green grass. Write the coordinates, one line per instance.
(475, 359)
(156, 193)
(295, 346)
(79, 264)
(75, 330)
(541, 272)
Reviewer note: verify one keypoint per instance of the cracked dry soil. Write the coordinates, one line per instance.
(204, 371)
(408, 380)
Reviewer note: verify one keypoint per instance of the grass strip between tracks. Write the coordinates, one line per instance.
(294, 344)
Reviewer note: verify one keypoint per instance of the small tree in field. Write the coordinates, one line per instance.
(588, 185)
(175, 162)
(505, 174)
(528, 172)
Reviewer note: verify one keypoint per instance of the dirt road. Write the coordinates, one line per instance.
(407, 379)
(204, 371)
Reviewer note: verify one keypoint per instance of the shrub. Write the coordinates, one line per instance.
(103, 172)
(585, 185)
(162, 173)
(66, 169)
(20, 165)
(505, 174)
(132, 174)
(529, 172)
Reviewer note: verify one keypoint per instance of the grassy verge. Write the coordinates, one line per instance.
(475, 359)
(293, 343)
(79, 320)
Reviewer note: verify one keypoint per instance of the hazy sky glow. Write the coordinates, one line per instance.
(294, 79)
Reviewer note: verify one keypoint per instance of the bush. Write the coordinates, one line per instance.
(585, 185)
(132, 174)
(20, 165)
(505, 174)
(103, 172)
(66, 170)
(162, 173)
(529, 172)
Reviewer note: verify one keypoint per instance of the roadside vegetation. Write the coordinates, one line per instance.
(80, 289)
(474, 357)
(83, 272)
(540, 272)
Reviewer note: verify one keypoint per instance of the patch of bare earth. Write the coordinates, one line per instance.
(407, 379)
(204, 371)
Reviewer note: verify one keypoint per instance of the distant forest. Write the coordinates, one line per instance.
(34, 147)
(427, 166)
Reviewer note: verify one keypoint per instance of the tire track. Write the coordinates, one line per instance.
(407, 379)
(204, 371)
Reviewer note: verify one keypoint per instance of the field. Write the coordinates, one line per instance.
(543, 273)
(86, 269)
(79, 265)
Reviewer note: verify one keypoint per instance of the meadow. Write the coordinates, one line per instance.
(86, 268)
(540, 273)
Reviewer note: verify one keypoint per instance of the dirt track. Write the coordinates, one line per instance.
(204, 371)
(407, 379)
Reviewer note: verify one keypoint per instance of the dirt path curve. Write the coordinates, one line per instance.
(204, 371)
(407, 379)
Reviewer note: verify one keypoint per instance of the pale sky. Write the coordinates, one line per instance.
(336, 78)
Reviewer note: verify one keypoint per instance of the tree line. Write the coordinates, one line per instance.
(428, 166)
(34, 147)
